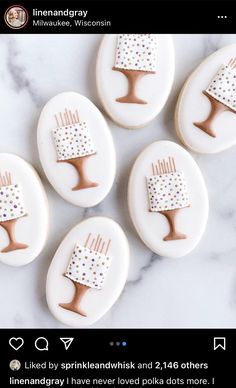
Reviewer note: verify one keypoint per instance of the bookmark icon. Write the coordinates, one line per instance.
(220, 343)
(67, 341)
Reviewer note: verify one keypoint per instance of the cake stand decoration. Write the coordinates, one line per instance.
(136, 56)
(87, 269)
(221, 93)
(74, 145)
(168, 194)
(11, 209)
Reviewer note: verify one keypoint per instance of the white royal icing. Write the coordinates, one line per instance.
(223, 86)
(136, 52)
(167, 191)
(73, 141)
(88, 267)
(11, 203)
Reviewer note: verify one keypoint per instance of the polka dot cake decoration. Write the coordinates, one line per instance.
(11, 203)
(167, 191)
(73, 141)
(136, 52)
(223, 86)
(88, 267)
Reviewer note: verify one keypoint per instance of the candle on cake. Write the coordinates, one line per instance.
(11, 209)
(168, 194)
(136, 56)
(221, 93)
(87, 269)
(74, 145)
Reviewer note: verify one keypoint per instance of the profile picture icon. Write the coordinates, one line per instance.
(15, 365)
(16, 17)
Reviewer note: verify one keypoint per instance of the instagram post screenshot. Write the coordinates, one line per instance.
(117, 193)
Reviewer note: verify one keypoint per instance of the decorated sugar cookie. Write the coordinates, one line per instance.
(23, 212)
(76, 149)
(170, 210)
(88, 272)
(205, 113)
(134, 76)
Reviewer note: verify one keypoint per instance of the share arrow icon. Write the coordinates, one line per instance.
(67, 341)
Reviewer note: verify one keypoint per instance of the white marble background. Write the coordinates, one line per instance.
(198, 290)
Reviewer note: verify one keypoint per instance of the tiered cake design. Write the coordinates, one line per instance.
(87, 269)
(221, 93)
(74, 145)
(136, 56)
(168, 193)
(11, 209)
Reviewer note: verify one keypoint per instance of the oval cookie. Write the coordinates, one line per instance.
(134, 76)
(206, 108)
(88, 272)
(168, 199)
(76, 149)
(23, 211)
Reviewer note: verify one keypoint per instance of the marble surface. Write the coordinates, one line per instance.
(198, 290)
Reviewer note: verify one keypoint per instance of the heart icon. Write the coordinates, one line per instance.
(16, 343)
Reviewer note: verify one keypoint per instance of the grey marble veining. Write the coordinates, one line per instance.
(198, 290)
